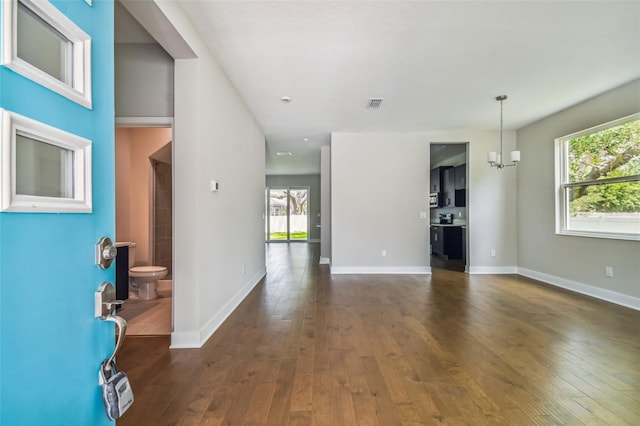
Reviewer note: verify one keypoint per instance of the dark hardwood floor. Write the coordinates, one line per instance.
(308, 348)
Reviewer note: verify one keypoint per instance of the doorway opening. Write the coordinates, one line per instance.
(288, 218)
(144, 222)
(448, 199)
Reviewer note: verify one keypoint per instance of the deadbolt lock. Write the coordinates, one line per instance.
(105, 252)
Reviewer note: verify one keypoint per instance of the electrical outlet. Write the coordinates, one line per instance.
(384, 253)
(608, 271)
(422, 215)
(493, 252)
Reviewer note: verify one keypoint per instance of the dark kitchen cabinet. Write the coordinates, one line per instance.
(446, 241)
(437, 240)
(437, 182)
(460, 185)
(464, 244)
(448, 188)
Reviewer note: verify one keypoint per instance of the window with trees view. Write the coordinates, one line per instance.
(598, 181)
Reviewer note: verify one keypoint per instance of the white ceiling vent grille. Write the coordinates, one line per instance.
(374, 103)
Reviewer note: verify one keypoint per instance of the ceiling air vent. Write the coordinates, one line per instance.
(374, 103)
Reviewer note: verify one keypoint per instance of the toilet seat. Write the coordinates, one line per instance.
(144, 279)
(147, 271)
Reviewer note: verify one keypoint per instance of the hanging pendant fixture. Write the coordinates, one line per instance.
(496, 159)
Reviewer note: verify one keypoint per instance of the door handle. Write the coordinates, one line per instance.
(121, 325)
(105, 303)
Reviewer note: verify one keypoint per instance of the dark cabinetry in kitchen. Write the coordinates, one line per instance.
(437, 240)
(446, 241)
(460, 185)
(464, 244)
(450, 183)
(437, 178)
(447, 188)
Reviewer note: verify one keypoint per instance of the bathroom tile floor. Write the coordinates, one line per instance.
(149, 317)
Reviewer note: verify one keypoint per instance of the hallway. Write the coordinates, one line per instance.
(306, 347)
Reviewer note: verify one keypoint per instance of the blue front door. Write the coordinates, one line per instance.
(50, 342)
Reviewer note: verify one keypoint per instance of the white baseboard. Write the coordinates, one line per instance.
(493, 270)
(325, 261)
(185, 340)
(421, 270)
(597, 292)
(195, 339)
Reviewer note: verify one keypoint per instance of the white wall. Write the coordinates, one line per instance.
(123, 189)
(325, 209)
(573, 262)
(144, 81)
(380, 184)
(217, 235)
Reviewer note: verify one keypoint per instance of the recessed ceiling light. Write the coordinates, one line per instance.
(285, 99)
(306, 139)
(283, 153)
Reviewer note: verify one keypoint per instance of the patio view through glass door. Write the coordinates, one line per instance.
(288, 218)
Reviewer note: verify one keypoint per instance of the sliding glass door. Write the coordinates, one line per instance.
(298, 217)
(278, 223)
(288, 219)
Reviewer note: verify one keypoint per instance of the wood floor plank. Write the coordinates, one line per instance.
(385, 408)
(281, 401)
(341, 401)
(309, 348)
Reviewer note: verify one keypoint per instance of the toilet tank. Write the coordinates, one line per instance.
(132, 251)
(132, 255)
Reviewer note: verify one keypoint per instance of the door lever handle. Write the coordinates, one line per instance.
(121, 325)
(105, 303)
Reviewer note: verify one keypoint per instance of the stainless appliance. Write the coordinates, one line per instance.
(446, 218)
(434, 199)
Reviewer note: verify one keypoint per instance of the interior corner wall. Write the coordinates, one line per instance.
(380, 184)
(219, 245)
(313, 182)
(325, 208)
(143, 142)
(143, 81)
(570, 261)
(123, 189)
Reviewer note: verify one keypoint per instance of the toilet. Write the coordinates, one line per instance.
(144, 279)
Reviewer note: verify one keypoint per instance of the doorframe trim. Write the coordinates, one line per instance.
(145, 122)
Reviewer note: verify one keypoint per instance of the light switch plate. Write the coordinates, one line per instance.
(423, 215)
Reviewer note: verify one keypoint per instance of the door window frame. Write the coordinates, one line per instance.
(12, 124)
(79, 61)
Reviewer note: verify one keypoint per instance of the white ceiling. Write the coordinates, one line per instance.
(437, 64)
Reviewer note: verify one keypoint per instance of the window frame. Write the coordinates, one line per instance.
(10, 125)
(562, 184)
(79, 90)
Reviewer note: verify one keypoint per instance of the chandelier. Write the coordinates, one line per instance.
(496, 159)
